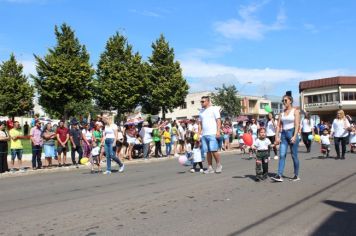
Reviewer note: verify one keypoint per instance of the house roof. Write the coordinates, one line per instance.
(326, 82)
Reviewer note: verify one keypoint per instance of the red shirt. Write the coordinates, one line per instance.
(62, 133)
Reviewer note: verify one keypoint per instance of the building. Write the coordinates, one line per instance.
(276, 103)
(324, 97)
(253, 106)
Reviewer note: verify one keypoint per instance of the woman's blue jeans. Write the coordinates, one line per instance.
(285, 142)
(110, 153)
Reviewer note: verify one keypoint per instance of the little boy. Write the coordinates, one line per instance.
(95, 157)
(262, 145)
(353, 139)
(197, 158)
(325, 142)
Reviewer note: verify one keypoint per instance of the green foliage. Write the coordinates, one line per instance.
(17, 94)
(65, 76)
(226, 97)
(121, 76)
(166, 88)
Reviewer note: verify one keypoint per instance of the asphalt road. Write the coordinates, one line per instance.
(164, 198)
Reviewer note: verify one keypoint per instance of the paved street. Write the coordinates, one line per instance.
(164, 198)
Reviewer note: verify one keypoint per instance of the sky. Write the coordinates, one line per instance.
(261, 47)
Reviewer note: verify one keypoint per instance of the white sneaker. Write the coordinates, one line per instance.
(210, 170)
(22, 170)
(275, 157)
(107, 172)
(192, 170)
(201, 170)
(218, 169)
(122, 168)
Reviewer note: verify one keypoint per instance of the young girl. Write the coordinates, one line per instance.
(167, 141)
(325, 142)
(95, 157)
(262, 145)
(197, 158)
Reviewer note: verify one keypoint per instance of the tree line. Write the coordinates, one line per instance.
(67, 85)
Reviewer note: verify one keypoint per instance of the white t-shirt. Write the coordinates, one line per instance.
(262, 145)
(190, 127)
(325, 139)
(181, 133)
(254, 129)
(352, 137)
(288, 120)
(120, 136)
(271, 128)
(208, 119)
(88, 135)
(109, 131)
(197, 155)
(146, 135)
(339, 128)
(95, 151)
(307, 125)
(195, 128)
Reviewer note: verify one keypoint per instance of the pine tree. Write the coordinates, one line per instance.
(65, 76)
(120, 76)
(16, 98)
(167, 88)
(226, 97)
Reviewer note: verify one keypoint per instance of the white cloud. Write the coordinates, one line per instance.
(248, 26)
(206, 76)
(146, 13)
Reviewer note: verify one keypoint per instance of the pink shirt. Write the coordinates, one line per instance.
(36, 134)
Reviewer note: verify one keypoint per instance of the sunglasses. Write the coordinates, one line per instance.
(202, 101)
(285, 100)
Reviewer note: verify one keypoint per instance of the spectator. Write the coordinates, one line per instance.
(75, 138)
(26, 128)
(49, 144)
(16, 146)
(37, 142)
(4, 138)
(306, 128)
(340, 131)
(62, 144)
(146, 136)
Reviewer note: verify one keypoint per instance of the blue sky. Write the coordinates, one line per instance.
(272, 43)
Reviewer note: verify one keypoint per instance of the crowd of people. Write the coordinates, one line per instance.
(100, 140)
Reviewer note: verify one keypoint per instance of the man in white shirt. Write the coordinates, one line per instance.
(209, 130)
(146, 135)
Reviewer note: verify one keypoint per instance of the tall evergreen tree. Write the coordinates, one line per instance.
(65, 76)
(16, 97)
(120, 76)
(167, 88)
(226, 97)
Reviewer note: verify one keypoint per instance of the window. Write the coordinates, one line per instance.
(349, 96)
(262, 105)
(184, 106)
(322, 98)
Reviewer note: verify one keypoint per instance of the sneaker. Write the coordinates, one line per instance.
(121, 169)
(12, 170)
(277, 178)
(275, 157)
(210, 170)
(22, 170)
(201, 170)
(107, 172)
(192, 170)
(218, 169)
(295, 178)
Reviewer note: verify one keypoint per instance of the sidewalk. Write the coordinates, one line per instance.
(26, 163)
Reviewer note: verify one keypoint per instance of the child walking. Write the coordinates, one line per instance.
(325, 143)
(262, 145)
(353, 139)
(197, 158)
(95, 157)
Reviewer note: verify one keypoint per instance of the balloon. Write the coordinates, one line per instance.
(195, 137)
(310, 137)
(247, 138)
(317, 138)
(84, 160)
(268, 109)
(182, 160)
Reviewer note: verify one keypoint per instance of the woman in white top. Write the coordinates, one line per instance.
(288, 124)
(271, 128)
(87, 138)
(109, 141)
(340, 130)
(306, 128)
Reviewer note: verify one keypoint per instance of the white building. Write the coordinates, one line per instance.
(253, 106)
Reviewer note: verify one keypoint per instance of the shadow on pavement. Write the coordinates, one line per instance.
(289, 207)
(341, 222)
